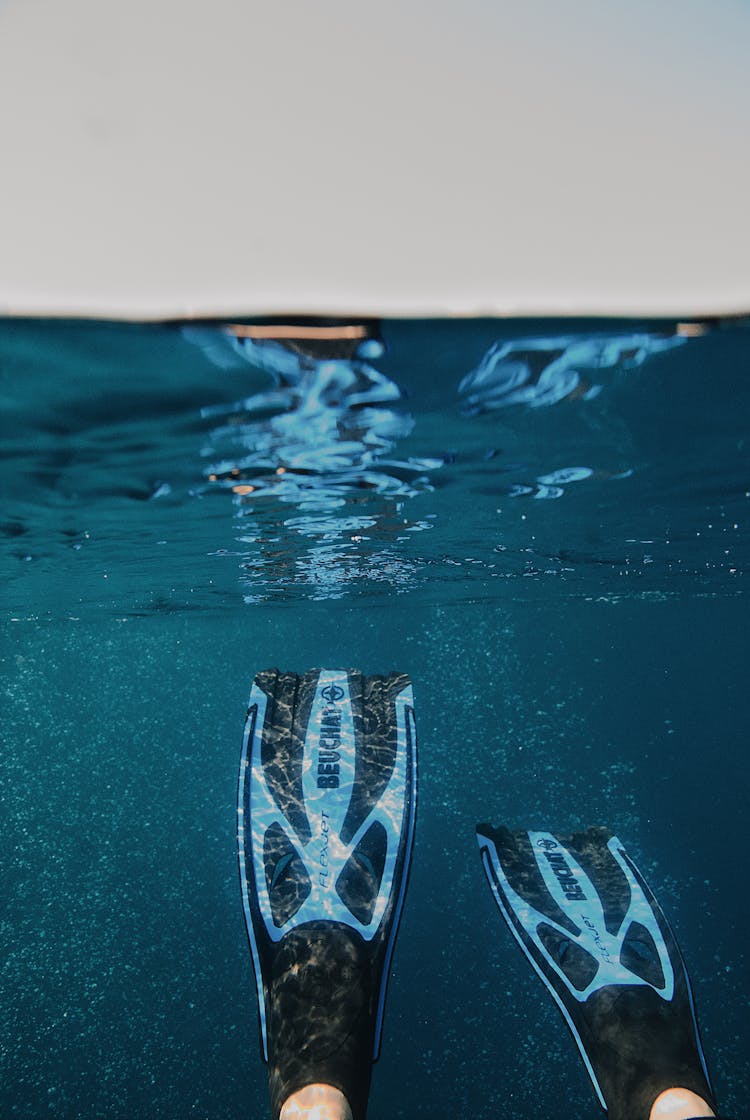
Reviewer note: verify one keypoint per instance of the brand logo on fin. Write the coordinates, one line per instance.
(332, 693)
(329, 743)
(565, 876)
(325, 829)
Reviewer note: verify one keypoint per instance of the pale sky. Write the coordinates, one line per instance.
(164, 158)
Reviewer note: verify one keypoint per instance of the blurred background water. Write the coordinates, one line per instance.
(544, 523)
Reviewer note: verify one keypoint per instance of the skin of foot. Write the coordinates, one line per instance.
(679, 1104)
(319, 1102)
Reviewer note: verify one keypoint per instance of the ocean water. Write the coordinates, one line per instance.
(546, 524)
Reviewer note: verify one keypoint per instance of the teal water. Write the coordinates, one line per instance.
(545, 524)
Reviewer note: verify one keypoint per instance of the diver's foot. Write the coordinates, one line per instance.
(316, 1102)
(679, 1104)
(319, 1006)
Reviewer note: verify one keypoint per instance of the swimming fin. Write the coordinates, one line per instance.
(594, 933)
(326, 811)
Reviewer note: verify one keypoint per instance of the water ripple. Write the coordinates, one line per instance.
(539, 372)
(318, 440)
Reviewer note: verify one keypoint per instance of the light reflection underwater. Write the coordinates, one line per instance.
(320, 439)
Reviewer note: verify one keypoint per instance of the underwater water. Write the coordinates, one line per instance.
(546, 524)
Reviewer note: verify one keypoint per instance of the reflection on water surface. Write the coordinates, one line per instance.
(203, 465)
